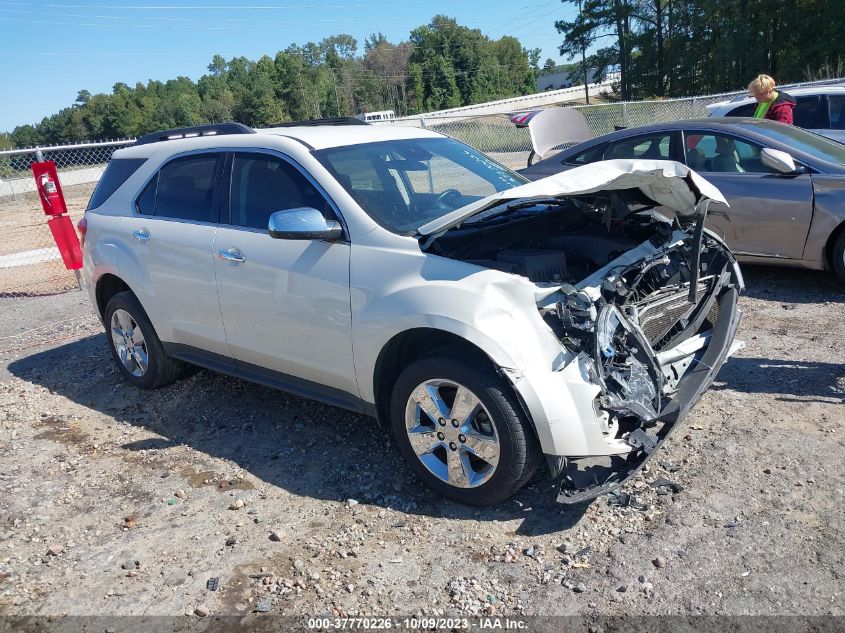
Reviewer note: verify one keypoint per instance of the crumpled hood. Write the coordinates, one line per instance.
(669, 183)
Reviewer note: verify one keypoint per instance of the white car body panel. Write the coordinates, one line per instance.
(300, 289)
(176, 273)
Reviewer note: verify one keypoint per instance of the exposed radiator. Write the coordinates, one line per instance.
(660, 312)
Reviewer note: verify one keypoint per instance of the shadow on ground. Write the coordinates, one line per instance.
(791, 379)
(788, 285)
(302, 446)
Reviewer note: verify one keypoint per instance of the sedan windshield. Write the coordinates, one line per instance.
(819, 147)
(403, 184)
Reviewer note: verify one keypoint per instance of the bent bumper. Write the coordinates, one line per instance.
(585, 478)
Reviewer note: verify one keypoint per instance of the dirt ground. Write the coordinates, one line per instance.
(117, 501)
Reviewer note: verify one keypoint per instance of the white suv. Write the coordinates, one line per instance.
(820, 109)
(400, 273)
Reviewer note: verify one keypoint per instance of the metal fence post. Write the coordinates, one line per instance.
(624, 114)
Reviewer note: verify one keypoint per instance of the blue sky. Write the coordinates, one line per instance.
(51, 50)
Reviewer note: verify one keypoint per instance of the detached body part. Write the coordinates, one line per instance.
(399, 273)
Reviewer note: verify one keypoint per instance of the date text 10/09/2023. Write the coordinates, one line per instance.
(414, 624)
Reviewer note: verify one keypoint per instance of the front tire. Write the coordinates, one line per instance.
(462, 431)
(135, 346)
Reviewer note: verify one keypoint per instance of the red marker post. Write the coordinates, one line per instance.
(53, 203)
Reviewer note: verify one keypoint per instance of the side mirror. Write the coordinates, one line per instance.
(780, 161)
(303, 223)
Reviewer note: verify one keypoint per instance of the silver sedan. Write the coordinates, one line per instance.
(785, 186)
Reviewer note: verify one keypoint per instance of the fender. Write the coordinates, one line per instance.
(494, 311)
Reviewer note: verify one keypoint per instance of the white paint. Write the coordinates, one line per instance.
(27, 258)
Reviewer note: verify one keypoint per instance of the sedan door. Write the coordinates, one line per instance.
(769, 213)
(285, 303)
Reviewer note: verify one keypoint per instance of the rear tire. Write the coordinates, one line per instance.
(462, 431)
(838, 256)
(135, 346)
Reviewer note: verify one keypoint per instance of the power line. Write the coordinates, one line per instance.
(210, 7)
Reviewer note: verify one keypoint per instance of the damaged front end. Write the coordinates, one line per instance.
(655, 332)
(643, 302)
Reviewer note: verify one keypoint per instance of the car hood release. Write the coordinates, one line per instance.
(666, 182)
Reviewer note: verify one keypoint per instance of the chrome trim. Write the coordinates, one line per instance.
(303, 223)
(231, 255)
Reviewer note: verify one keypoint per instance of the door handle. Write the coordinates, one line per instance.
(142, 235)
(231, 255)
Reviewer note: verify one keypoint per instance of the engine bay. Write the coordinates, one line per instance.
(630, 285)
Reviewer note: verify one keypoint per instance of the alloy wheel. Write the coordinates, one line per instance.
(128, 341)
(452, 433)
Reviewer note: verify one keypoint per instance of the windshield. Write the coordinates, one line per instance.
(403, 184)
(816, 146)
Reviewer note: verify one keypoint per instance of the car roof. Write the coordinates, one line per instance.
(836, 89)
(702, 122)
(325, 136)
(314, 137)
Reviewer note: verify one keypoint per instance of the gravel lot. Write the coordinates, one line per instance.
(117, 501)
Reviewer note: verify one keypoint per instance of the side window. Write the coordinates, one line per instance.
(185, 189)
(262, 185)
(146, 202)
(807, 112)
(837, 112)
(586, 157)
(744, 110)
(652, 146)
(723, 154)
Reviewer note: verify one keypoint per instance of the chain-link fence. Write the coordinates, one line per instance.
(497, 136)
(30, 263)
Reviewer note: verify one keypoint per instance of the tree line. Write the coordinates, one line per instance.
(673, 48)
(443, 64)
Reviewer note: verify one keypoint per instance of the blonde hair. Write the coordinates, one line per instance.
(761, 85)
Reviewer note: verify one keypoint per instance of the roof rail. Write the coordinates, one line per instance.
(341, 120)
(213, 129)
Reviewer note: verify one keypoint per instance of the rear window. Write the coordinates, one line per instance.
(117, 172)
(743, 110)
(808, 112)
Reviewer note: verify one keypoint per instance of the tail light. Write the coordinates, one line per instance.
(82, 227)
